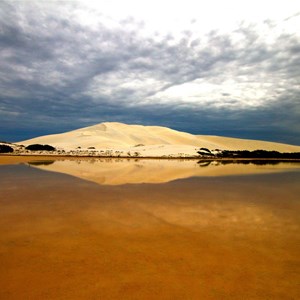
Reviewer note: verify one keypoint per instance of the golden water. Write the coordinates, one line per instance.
(204, 237)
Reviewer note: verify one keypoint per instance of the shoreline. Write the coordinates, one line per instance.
(25, 157)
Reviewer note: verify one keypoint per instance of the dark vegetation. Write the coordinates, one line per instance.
(205, 151)
(260, 162)
(261, 154)
(6, 149)
(39, 147)
(41, 163)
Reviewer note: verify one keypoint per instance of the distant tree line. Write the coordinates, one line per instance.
(249, 154)
(33, 147)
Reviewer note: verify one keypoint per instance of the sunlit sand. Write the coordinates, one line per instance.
(153, 141)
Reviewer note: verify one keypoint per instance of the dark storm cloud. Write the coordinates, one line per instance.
(60, 73)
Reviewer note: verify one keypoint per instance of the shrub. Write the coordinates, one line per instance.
(205, 149)
(6, 149)
(39, 147)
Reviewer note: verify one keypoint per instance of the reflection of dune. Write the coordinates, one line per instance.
(202, 238)
(117, 171)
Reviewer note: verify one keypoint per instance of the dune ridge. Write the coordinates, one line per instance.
(150, 140)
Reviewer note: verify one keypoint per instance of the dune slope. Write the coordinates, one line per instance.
(112, 135)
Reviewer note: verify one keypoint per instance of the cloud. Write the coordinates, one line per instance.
(62, 68)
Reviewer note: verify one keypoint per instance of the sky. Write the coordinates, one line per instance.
(229, 68)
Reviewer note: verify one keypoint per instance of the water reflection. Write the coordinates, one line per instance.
(124, 171)
(209, 237)
(259, 162)
(41, 162)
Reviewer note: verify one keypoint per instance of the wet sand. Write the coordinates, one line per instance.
(16, 159)
(222, 237)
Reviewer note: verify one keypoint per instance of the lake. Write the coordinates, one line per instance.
(149, 229)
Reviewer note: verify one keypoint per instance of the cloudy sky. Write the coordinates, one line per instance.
(209, 67)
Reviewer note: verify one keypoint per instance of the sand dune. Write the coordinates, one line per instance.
(150, 140)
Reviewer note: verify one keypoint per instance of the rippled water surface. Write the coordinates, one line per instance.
(103, 229)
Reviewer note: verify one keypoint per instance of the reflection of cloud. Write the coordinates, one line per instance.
(57, 64)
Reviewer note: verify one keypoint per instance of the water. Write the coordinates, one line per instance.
(149, 230)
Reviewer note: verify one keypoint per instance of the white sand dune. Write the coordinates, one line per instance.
(150, 140)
